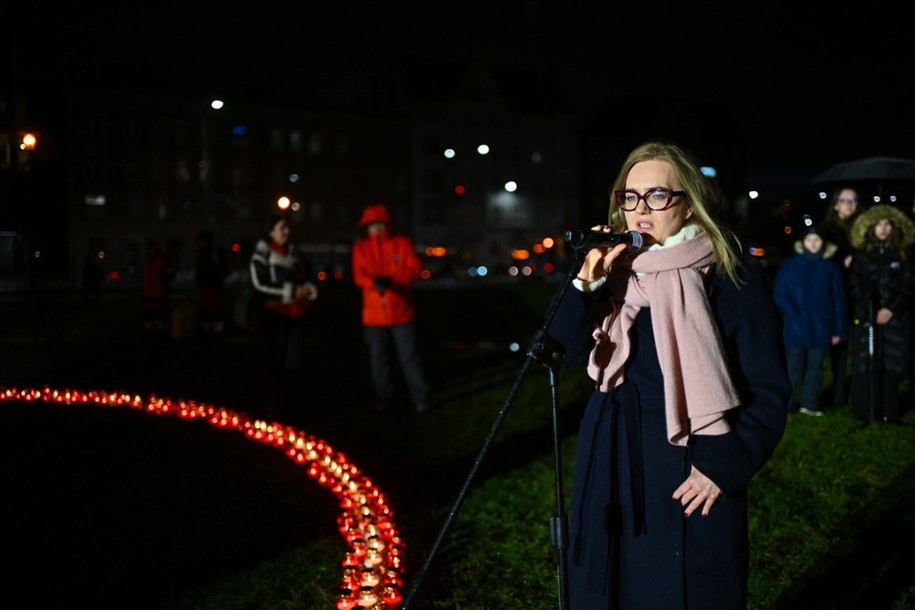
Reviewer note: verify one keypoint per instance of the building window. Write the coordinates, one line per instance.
(160, 203)
(157, 167)
(401, 184)
(342, 147)
(296, 141)
(433, 147)
(240, 137)
(134, 204)
(185, 134)
(5, 156)
(432, 180)
(95, 169)
(132, 172)
(314, 144)
(159, 132)
(182, 171)
(277, 140)
(433, 214)
(315, 212)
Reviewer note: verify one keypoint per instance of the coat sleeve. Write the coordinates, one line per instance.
(858, 287)
(574, 324)
(900, 293)
(363, 275)
(261, 278)
(410, 268)
(755, 351)
(782, 289)
(840, 313)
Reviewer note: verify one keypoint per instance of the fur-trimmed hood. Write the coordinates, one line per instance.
(829, 249)
(869, 218)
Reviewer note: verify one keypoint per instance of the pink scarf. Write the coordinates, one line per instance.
(697, 385)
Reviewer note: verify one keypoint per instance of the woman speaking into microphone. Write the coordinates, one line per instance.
(681, 341)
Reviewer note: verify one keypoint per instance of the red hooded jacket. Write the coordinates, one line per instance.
(385, 255)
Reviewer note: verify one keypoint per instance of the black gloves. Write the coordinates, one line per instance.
(382, 283)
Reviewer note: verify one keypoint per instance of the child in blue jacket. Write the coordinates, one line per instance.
(809, 292)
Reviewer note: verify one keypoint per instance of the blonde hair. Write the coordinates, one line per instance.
(704, 196)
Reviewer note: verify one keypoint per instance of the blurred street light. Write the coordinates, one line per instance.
(28, 141)
(207, 215)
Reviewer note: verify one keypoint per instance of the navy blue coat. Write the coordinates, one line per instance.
(809, 291)
(629, 544)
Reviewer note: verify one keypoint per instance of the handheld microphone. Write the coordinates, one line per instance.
(595, 239)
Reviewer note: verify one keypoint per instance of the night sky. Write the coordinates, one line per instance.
(807, 89)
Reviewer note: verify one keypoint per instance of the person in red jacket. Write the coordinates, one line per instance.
(385, 266)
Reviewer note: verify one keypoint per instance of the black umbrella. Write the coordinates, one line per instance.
(871, 169)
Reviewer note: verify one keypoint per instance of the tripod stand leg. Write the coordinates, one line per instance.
(559, 530)
(550, 353)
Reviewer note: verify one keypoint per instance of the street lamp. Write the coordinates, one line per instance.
(207, 216)
(28, 142)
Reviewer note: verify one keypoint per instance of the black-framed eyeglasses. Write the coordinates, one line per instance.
(657, 199)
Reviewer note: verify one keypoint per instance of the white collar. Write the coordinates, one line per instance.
(687, 232)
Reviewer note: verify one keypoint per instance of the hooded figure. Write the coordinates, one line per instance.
(865, 221)
(385, 266)
(810, 294)
(374, 213)
(881, 285)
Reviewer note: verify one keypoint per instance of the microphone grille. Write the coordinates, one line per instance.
(636, 239)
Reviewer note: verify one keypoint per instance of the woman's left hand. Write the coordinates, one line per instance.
(697, 491)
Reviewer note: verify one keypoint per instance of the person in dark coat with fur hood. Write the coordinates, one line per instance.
(881, 284)
(809, 291)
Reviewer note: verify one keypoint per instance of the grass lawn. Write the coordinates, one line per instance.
(129, 510)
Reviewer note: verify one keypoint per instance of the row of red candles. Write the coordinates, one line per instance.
(373, 562)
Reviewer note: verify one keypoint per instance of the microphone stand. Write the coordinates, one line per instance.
(872, 341)
(550, 353)
(871, 354)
